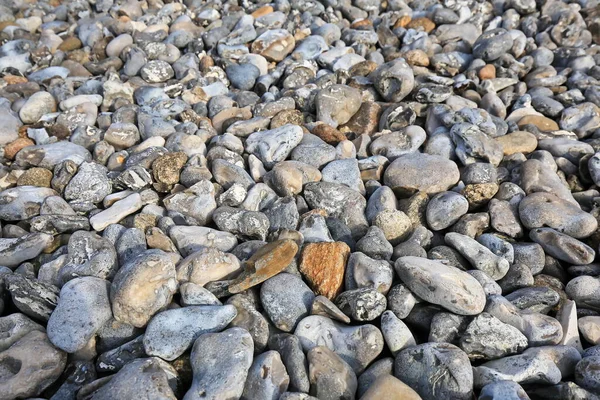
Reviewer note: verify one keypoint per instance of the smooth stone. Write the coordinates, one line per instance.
(190, 239)
(274, 145)
(363, 271)
(220, 364)
(294, 359)
(15, 326)
(536, 177)
(395, 332)
(420, 172)
(563, 247)
(37, 105)
(503, 390)
(207, 265)
(143, 287)
(15, 251)
(358, 345)
(150, 378)
(541, 210)
(445, 209)
(83, 308)
(590, 329)
(544, 365)
(286, 300)
(170, 333)
(391, 388)
(267, 377)
(250, 319)
(116, 212)
(478, 255)
(586, 373)
(415, 365)
(330, 376)
(440, 284)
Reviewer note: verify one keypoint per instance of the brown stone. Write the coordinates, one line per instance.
(262, 11)
(363, 68)
(365, 121)
(70, 43)
(362, 24)
(267, 262)
(402, 22)
(14, 79)
(230, 115)
(166, 168)
(487, 72)
(206, 63)
(156, 239)
(29, 366)
(323, 265)
(388, 387)
(542, 123)
(329, 134)
(421, 23)
(11, 149)
(144, 221)
(417, 57)
(35, 177)
(284, 117)
(517, 142)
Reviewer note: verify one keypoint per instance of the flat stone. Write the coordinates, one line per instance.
(265, 263)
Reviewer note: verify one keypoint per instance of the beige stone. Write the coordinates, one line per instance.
(387, 387)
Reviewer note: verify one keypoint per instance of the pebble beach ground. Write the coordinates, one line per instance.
(299, 199)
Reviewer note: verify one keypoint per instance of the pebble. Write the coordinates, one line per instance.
(417, 172)
(414, 364)
(356, 345)
(39, 364)
(83, 308)
(170, 333)
(143, 287)
(329, 175)
(330, 376)
(286, 299)
(267, 377)
(437, 283)
(220, 364)
(323, 264)
(151, 377)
